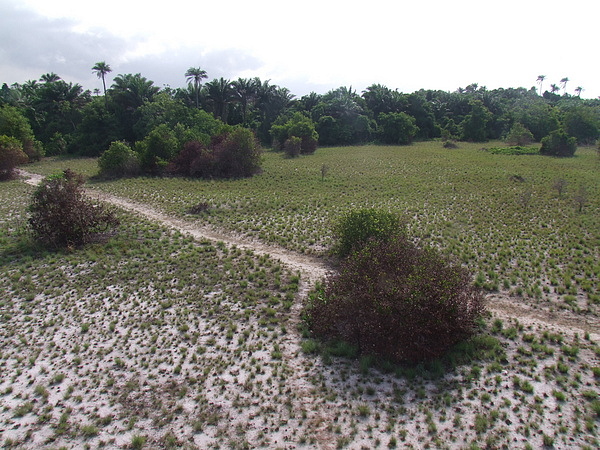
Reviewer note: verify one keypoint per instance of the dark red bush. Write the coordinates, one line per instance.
(398, 301)
(194, 160)
(61, 215)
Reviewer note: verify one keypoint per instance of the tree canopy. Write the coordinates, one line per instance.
(61, 117)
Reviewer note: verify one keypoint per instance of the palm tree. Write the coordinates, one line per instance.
(101, 69)
(49, 77)
(220, 94)
(578, 90)
(554, 88)
(196, 74)
(245, 91)
(540, 79)
(131, 91)
(564, 82)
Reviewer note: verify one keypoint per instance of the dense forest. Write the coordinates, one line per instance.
(51, 116)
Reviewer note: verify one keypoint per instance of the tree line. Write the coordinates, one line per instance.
(63, 118)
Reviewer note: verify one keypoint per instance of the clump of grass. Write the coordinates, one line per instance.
(22, 409)
(138, 441)
(89, 431)
(363, 410)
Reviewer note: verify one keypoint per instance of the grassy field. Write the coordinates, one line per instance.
(502, 216)
(155, 340)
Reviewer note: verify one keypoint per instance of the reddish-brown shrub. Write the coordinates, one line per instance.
(398, 301)
(292, 146)
(61, 215)
(237, 154)
(194, 160)
(11, 156)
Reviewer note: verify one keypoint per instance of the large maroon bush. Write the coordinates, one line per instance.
(398, 301)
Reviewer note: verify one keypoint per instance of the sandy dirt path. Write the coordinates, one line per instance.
(313, 269)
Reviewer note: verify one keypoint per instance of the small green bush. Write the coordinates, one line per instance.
(61, 216)
(397, 128)
(14, 124)
(356, 228)
(298, 126)
(397, 301)
(519, 135)
(119, 160)
(157, 149)
(558, 143)
(234, 153)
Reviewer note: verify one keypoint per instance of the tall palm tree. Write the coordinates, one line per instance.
(196, 74)
(554, 88)
(564, 82)
(101, 69)
(540, 79)
(246, 92)
(578, 91)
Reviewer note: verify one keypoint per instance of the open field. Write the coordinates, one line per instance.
(159, 340)
(499, 215)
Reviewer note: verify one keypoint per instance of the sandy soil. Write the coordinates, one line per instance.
(301, 400)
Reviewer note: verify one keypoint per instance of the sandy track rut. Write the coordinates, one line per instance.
(313, 269)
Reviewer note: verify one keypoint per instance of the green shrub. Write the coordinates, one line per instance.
(558, 143)
(61, 216)
(14, 124)
(395, 300)
(235, 153)
(119, 160)
(356, 228)
(397, 128)
(298, 126)
(519, 135)
(11, 156)
(157, 149)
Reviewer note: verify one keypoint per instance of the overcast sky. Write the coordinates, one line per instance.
(308, 45)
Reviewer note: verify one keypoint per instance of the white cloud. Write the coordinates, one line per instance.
(313, 45)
